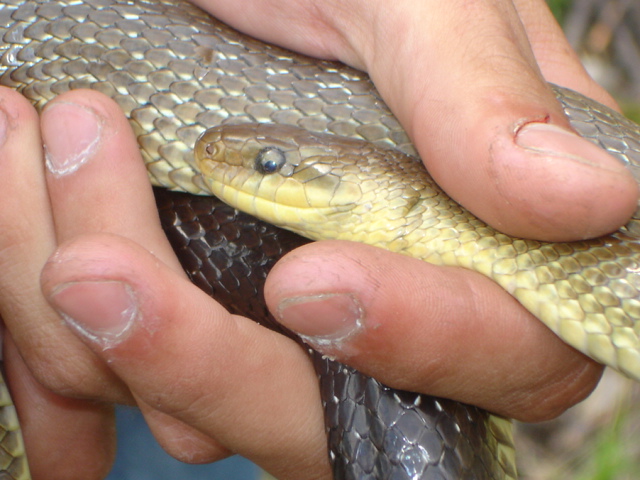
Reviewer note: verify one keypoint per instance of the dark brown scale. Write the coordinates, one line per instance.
(374, 432)
(225, 252)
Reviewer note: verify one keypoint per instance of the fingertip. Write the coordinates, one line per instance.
(18, 134)
(13, 104)
(465, 130)
(71, 134)
(93, 155)
(442, 331)
(197, 351)
(86, 127)
(550, 184)
(315, 291)
(522, 169)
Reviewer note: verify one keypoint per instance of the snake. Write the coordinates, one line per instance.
(308, 133)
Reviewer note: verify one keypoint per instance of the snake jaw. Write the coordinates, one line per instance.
(309, 222)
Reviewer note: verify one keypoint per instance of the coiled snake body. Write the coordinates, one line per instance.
(177, 72)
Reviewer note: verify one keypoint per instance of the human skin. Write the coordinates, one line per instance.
(210, 383)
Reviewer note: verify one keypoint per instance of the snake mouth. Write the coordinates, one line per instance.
(299, 219)
(281, 201)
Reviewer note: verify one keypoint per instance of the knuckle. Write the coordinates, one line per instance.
(72, 374)
(182, 441)
(190, 448)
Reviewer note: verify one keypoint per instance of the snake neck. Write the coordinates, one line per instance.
(586, 292)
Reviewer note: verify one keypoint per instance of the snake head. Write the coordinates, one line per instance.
(284, 175)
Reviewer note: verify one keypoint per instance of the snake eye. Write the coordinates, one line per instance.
(270, 160)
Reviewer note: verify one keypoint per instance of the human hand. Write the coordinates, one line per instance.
(162, 361)
(579, 373)
(468, 82)
(209, 383)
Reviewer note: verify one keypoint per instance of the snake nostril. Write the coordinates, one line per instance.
(210, 148)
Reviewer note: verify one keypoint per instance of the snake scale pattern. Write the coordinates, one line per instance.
(176, 72)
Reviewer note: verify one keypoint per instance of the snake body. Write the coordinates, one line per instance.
(373, 431)
(588, 292)
(176, 72)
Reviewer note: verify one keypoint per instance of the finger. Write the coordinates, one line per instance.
(65, 438)
(96, 178)
(181, 441)
(25, 221)
(443, 331)
(463, 80)
(493, 135)
(97, 182)
(27, 240)
(252, 390)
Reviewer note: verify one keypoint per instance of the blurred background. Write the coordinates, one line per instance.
(596, 440)
(606, 34)
(600, 438)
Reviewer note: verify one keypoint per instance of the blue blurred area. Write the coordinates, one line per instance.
(141, 458)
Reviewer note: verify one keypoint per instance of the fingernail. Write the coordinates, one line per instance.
(71, 135)
(324, 320)
(101, 311)
(556, 141)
